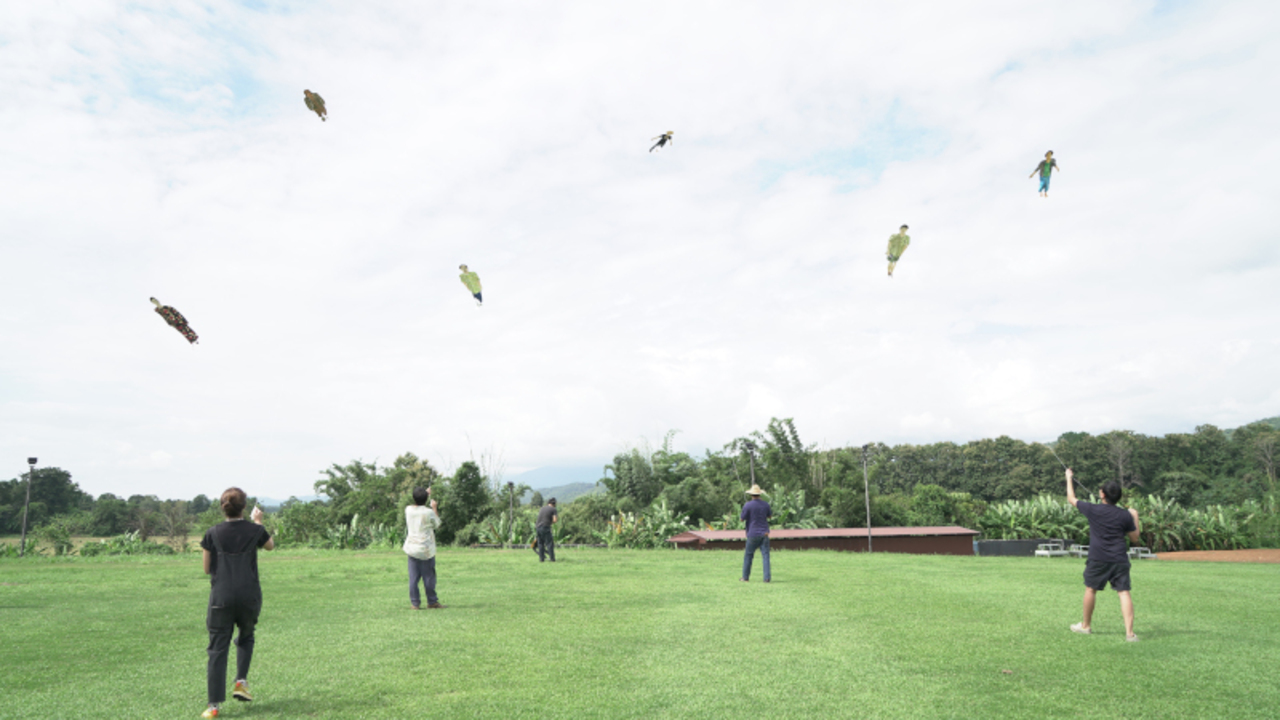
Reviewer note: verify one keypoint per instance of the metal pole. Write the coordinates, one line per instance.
(511, 512)
(31, 475)
(866, 489)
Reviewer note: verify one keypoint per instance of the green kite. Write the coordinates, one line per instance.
(472, 281)
(315, 103)
(898, 244)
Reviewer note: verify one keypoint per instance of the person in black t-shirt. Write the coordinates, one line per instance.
(1108, 560)
(546, 544)
(235, 598)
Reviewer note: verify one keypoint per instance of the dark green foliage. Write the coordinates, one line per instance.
(128, 544)
(199, 504)
(697, 498)
(931, 505)
(300, 523)
(633, 479)
(464, 500)
(52, 493)
(376, 495)
(110, 515)
(935, 484)
(586, 516)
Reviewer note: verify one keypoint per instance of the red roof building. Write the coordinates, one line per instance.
(943, 540)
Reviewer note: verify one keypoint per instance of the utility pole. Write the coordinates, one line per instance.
(511, 513)
(26, 507)
(866, 489)
(751, 453)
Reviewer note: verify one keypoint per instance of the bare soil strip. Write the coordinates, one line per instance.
(1270, 555)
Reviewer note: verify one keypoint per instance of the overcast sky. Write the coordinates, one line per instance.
(163, 149)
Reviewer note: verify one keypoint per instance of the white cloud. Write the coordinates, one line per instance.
(732, 277)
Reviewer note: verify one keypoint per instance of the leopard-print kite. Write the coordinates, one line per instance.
(176, 321)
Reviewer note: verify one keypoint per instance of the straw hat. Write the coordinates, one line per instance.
(755, 490)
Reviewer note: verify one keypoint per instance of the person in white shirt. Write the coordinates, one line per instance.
(420, 546)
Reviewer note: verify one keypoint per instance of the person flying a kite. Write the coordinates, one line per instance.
(315, 104)
(663, 139)
(1045, 168)
(176, 321)
(897, 245)
(472, 281)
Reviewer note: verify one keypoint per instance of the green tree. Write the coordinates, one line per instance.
(931, 505)
(634, 481)
(464, 500)
(110, 515)
(199, 504)
(52, 493)
(143, 515)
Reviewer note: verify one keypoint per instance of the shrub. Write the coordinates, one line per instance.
(127, 544)
(57, 535)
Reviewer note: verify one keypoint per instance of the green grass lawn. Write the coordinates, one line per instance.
(646, 634)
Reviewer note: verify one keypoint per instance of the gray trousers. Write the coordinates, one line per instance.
(546, 544)
(424, 570)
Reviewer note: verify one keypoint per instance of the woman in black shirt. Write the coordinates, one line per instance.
(235, 598)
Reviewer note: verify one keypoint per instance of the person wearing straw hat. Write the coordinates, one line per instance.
(757, 513)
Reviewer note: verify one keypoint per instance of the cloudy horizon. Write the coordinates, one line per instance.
(734, 276)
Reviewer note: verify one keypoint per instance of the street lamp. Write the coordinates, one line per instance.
(750, 447)
(866, 489)
(511, 513)
(22, 546)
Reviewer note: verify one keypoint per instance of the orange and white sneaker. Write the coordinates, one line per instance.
(210, 712)
(241, 691)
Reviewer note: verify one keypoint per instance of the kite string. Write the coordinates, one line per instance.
(1064, 467)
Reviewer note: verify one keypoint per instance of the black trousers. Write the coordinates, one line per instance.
(222, 620)
(546, 544)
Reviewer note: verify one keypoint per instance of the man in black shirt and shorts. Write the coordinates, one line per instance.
(1108, 560)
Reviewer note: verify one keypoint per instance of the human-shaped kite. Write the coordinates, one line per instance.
(1045, 168)
(176, 321)
(663, 139)
(897, 245)
(472, 281)
(315, 103)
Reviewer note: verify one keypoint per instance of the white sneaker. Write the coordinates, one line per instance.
(1080, 628)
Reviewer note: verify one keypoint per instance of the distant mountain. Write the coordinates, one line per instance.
(557, 476)
(1272, 421)
(565, 494)
(273, 504)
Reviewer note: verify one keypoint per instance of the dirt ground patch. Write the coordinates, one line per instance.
(1258, 556)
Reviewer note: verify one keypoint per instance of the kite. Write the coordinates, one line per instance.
(663, 139)
(472, 281)
(315, 103)
(897, 245)
(1045, 168)
(176, 321)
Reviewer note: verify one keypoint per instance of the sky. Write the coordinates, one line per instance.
(163, 149)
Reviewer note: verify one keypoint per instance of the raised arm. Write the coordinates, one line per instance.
(1071, 488)
(256, 516)
(1135, 535)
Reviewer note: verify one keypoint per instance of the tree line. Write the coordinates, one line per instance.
(651, 491)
